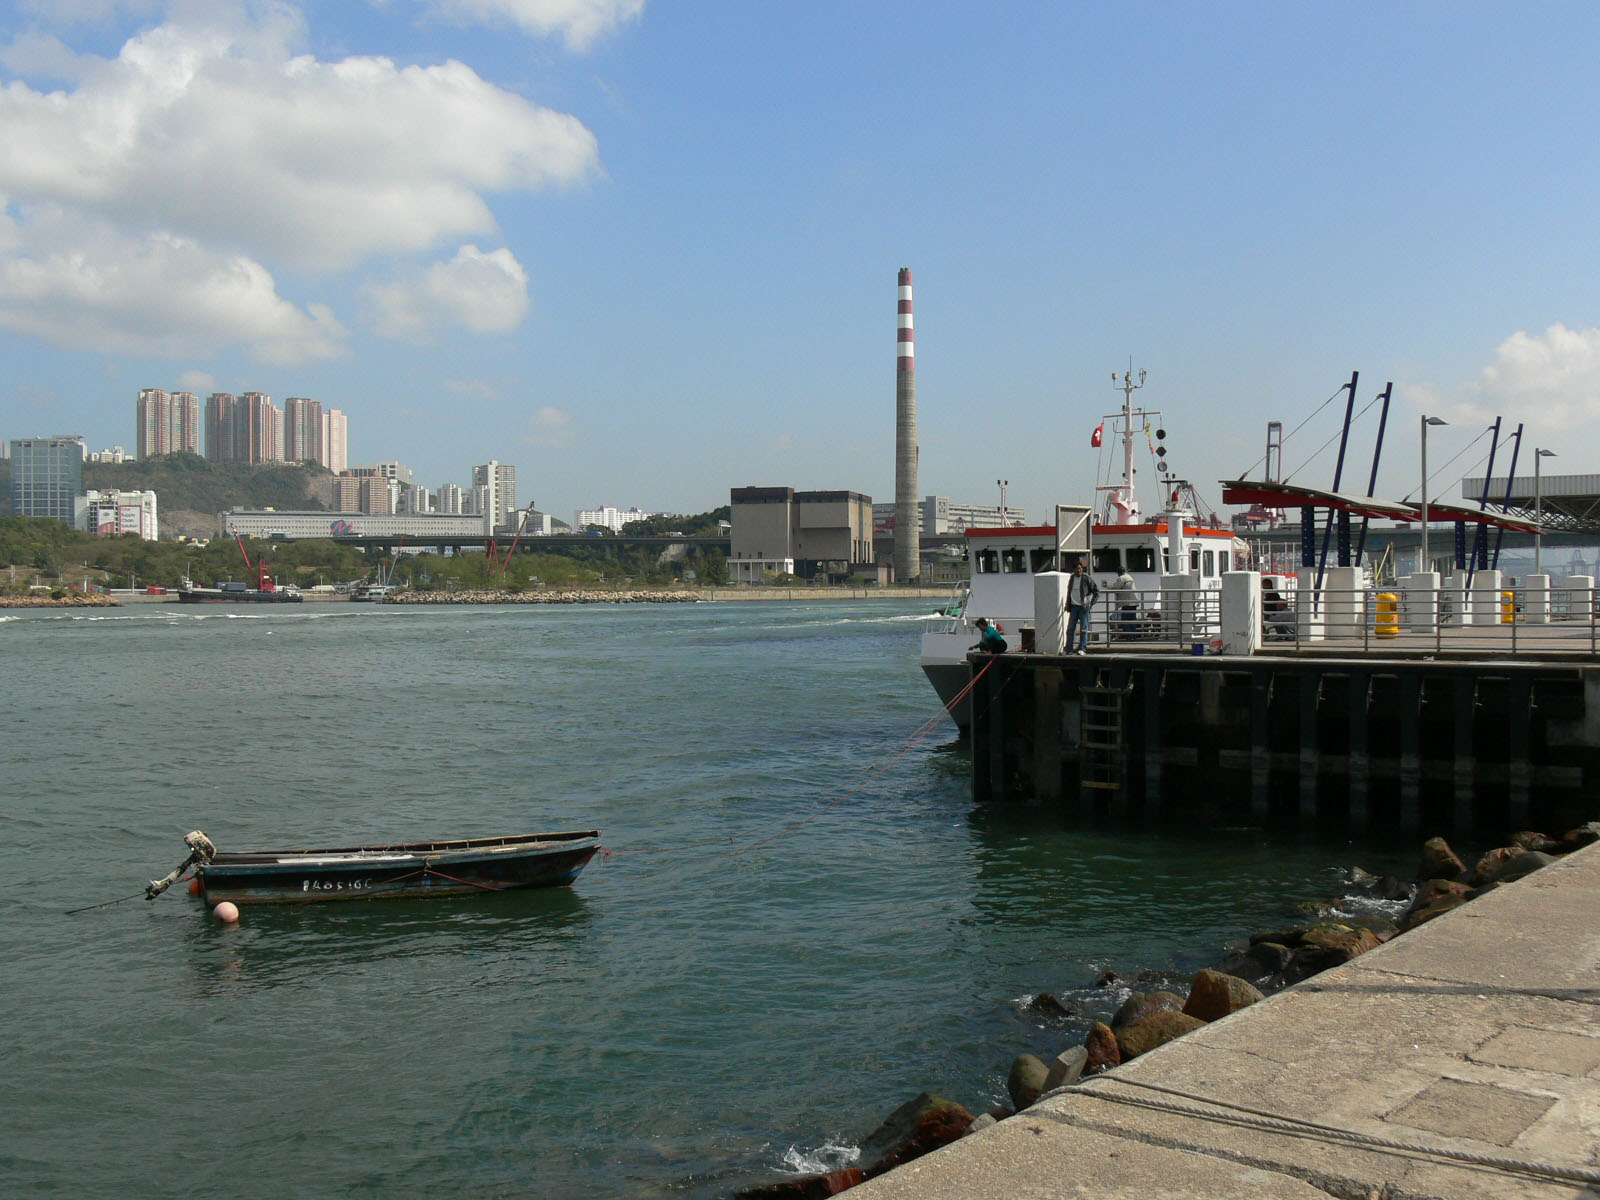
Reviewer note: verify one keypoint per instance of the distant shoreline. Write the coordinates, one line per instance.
(546, 596)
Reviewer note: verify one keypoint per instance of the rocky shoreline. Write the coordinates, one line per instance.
(69, 600)
(564, 596)
(1271, 961)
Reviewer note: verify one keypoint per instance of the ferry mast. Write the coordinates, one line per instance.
(1125, 384)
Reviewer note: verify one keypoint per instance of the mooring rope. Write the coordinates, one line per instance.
(1239, 1114)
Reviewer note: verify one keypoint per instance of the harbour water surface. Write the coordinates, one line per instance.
(804, 921)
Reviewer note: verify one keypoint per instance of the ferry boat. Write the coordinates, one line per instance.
(1002, 562)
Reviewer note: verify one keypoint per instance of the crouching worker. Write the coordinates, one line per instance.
(990, 642)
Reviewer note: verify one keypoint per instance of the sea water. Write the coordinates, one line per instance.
(803, 922)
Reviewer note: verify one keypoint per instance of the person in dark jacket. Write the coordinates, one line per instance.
(1081, 591)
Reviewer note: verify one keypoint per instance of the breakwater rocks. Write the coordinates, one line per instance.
(1129, 1018)
(64, 600)
(563, 596)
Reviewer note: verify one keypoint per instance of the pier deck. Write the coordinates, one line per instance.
(1477, 1033)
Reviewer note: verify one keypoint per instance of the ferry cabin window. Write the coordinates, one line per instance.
(1042, 560)
(1211, 562)
(1194, 561)
(1107, 560)
(1014, 561)
(1141, 558)
(988, 562)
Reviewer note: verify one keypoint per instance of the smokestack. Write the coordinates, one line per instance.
(907, 519)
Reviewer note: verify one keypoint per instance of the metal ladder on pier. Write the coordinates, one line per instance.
(1101, 746)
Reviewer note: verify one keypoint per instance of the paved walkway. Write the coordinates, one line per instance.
(1477, 1035)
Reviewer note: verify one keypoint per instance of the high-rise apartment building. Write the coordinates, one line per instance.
(302, 430)
(335, 442)
(220, 413)
(500, 483)
(257, 429)
(448, 500)
(168, 423)
(47, 476)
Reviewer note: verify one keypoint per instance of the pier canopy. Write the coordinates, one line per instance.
(1441, 511)
(1293, 495)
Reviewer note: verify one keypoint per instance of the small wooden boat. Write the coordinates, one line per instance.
(410, 869)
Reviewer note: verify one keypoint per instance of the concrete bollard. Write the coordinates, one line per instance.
(1241, 612)
(1575, 597)
(1536, 599)
(1050, 612)
(1486, 589)
(1422, 601)
(1345, 605)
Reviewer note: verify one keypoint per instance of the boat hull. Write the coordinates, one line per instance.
(416, 870)
(217, 596)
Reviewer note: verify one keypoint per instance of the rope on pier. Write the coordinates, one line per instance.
(1239, 1114)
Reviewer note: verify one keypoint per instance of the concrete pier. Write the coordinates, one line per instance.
(1461, 1059)
(1383, 745)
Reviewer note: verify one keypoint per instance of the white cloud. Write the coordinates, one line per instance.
(485, 293)
(209, 134)
(198, 382)
(550, 427)
(579, 22)
(212, 148)
(1551, 381)
(87, 287)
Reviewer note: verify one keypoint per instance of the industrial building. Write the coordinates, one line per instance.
(779, 531)
(47, 476)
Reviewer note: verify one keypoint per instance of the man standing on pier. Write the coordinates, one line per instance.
(1081, 591)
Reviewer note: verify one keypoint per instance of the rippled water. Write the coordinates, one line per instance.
(804, 921)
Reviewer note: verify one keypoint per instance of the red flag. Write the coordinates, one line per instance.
(1098, 431)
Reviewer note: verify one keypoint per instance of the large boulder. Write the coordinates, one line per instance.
(1489, 865)
(1067, 1069)
(1525, 863)
(1271, 957)
(1532, 839)
(806, 1187)
(1155, 1030)
(1330, 944)
(1437, 908)
(1583, 835)
(1102, 1050)
(1026, 1080)
(1439, 861)
(912, 1130)
(1145, 1004)
(1214, 995)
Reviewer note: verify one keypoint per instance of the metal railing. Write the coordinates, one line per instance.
(1509, 620)
(1156, 620)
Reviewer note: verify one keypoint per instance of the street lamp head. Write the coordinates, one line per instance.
(1434, 421)
(1545, 453)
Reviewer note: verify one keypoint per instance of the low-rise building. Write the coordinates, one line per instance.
(423, 529)
(111, 514)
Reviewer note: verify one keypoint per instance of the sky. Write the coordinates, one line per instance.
(648, 251)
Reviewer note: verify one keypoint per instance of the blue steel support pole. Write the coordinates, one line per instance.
(1372, 482)
(1511, 478)
(1478, 548)
(1338, 474)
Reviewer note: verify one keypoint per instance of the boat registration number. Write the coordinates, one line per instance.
(335, 885)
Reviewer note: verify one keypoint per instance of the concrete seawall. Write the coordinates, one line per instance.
(1473, 1041)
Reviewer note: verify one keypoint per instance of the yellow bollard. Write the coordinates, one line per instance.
(1387, 621)
(1508, 607)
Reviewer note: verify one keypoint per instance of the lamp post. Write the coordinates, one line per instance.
(1002, 484)
(1426, 421)
(1538, 508)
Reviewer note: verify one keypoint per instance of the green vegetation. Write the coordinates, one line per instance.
(33, 548)
(689, 526)
(187, 482)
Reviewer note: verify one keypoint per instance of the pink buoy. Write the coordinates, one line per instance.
(227, 912)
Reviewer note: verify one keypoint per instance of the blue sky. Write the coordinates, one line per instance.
(647, 251)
